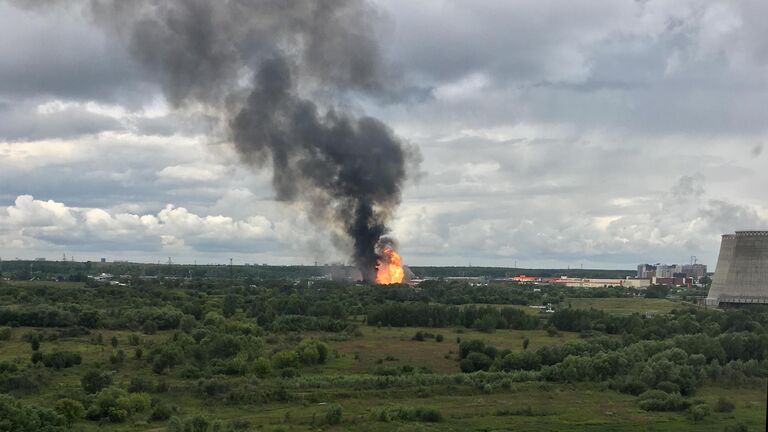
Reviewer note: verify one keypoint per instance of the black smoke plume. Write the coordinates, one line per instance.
(354, 167)
(273, 73)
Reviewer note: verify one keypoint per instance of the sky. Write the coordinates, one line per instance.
(551, 134)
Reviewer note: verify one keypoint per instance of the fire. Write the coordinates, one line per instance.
(390, 267)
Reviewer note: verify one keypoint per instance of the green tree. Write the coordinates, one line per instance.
(34, 341)
(93, 381)
(18, 417)
(187, 323)
(71, 409)
(333, 414)
(114, 341)
(526, 342)
(229, 307)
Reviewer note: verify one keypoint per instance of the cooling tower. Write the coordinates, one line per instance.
(741, 275)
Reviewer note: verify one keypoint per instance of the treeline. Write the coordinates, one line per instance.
(661, 326)
(484, 318)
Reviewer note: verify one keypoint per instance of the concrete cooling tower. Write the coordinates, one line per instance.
(741, 275)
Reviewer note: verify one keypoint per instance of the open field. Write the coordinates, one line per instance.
(553, 408)
(623, 306)
(441, 357)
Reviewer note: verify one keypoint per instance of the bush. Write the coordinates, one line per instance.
(133, 339)
(657, 400)
(18, 417)
(94, 381)
(699, 412)
(312, 352)
(285, 359)
(439, 338)
(525, 360)
(261, 367)
(71, 409)
(724, 405)
(140, 384)
(161, 412)
(5, 333)
(467, 366)
(333, 414)
(738, 427)
(471, 346)
(61, 360)
(427, 415)
(480, 361)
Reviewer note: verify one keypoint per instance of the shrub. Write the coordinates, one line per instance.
(699, 412)
(135, 402)
(471, 346)
(312, 352)
(467, 366)
(668, 387)
(133, 339)
(61, 359)
(285, 359)
(333, 414)
(140, 384)
(525, 360)
(162, 386)
(439, 338)
(161, 412)
(18, 417)
(657, 400)
(738, 427)
(427, 415)
(724, 405)
(5, 333)
(93, 381)
(71, 409)
(480, 361)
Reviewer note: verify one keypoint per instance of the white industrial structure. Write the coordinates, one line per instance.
(741, 275)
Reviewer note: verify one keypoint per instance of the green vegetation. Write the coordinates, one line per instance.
(242, 354)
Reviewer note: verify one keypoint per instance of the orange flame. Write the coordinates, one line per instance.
(390, 267)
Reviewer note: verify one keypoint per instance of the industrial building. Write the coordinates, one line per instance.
(741, 275)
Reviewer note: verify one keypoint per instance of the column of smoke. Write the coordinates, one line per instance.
(270, 72)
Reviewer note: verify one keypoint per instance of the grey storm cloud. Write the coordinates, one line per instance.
(551, 132)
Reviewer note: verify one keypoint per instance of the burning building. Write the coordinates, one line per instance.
(741, 275)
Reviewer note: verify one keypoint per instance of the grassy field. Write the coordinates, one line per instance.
(371, 351)
(623, 306)
(553, 408)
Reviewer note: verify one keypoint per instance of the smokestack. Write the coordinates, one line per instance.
(304, 56)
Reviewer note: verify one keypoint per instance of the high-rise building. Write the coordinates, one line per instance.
(667, 271)
(646, 271)
(695, 271)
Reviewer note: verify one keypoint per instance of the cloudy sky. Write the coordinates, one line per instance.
(552, 133)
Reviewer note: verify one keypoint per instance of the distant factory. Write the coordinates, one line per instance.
(583, 282)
